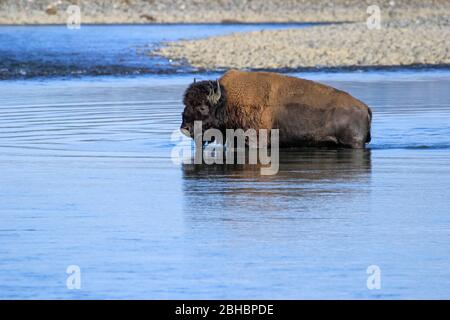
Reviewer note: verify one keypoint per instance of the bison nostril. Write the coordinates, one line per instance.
(185, 131)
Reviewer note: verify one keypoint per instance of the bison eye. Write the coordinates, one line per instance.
(203, 110)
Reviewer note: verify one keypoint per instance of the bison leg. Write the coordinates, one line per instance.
(353, 127)
(352, 134)
(356, 144)
(353, 137)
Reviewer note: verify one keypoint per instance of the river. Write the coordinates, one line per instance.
(87, 179)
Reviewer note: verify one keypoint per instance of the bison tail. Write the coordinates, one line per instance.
(369, 119)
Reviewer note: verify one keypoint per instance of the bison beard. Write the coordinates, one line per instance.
(306, 113)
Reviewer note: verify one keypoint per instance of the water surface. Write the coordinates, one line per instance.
(87, 179)
(93, 50)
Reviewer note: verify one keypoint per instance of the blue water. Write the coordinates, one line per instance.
(43, 51)
(87, 179)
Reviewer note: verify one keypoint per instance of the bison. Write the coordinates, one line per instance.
(306, 113)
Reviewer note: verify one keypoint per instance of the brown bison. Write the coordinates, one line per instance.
(306, 113)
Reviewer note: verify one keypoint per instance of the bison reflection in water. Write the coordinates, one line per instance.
(306, 178)
(305, 112)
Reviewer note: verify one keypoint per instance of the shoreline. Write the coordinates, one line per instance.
(181, 24)
(349, 45)
(201, 73)
(323, 36)
(29, 12)
(318, 69)
(187, 71)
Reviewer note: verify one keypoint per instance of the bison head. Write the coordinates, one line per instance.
(204, 101)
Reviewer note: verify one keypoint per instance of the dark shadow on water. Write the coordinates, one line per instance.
(303, 164)
(315, 175)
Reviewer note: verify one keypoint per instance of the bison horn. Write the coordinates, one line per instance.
(219, 92)
(214, 96)
(195, 80)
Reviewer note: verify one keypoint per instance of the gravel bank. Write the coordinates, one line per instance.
(207, 11)
(397, 43)
(413, 31)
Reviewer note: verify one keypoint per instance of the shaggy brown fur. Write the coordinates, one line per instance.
(307, 113)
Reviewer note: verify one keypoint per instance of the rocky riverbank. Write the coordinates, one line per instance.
(403, 38)
(209, 11)
(396, 43)
(412, 32)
